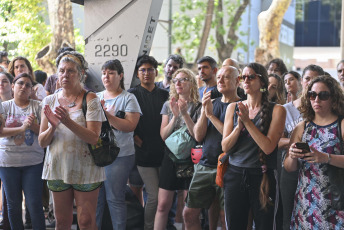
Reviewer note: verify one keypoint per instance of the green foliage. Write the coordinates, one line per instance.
(189, 20)
(22, 28)
(79, 41)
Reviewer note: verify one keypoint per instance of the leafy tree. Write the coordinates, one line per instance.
(193, 24)
(22, 27)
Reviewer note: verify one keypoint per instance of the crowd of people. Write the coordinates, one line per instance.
(281, 133)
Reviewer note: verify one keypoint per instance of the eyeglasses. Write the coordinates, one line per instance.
(250, 77)
(21, 83)
(149, 70)
(323, 95)
(181, 80)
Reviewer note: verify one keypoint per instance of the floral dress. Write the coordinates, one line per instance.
(312, 204)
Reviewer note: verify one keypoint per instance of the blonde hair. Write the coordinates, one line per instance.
(194, 94)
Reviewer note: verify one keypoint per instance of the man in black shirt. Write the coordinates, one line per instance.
(149, 147)
(203, 191)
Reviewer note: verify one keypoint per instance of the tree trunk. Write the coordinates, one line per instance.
(225, 47)
(61, 21)
(269, 24)
(206, 29)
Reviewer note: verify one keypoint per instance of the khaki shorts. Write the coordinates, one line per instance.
(203, 189)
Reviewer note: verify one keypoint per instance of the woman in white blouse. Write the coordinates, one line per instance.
(69, 166)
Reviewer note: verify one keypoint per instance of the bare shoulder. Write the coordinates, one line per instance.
(231, 107)
(279, 109)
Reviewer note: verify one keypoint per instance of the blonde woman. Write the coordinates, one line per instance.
(175, 114)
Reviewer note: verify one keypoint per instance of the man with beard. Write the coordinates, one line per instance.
(207, 68)
(172, 63)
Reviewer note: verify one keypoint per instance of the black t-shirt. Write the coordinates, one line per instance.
(212, 140)
(151, 153)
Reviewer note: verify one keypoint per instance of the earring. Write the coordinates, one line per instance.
(262, 90)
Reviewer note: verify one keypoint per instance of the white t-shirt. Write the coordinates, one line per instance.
(68, 157)
(22, 149)
(40, 93)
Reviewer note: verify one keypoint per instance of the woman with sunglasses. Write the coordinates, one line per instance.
(251, 132)
(294, 83)
(21, 157)
(322, 107)
(176, 113)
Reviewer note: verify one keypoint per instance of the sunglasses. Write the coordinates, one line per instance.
(323, 95)
(250, 77)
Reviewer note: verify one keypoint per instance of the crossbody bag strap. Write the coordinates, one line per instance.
(84, 110)
(84, 103)
(194, 111)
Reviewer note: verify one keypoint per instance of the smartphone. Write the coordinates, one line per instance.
(120, 114)
(304, 146)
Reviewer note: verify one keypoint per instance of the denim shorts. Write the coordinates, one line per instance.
(203, 188)
(60, 186)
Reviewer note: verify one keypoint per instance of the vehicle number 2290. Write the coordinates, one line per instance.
(111, 50)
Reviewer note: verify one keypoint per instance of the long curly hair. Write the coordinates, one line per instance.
(266, 117)
(194, 94)
(337, 98)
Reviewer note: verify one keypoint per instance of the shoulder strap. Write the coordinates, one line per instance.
(84, 103)
(196, 108)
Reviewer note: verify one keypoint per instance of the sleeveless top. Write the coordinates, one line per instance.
(245, 152)
(312, 203)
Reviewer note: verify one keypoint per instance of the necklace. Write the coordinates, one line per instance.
(71, 104)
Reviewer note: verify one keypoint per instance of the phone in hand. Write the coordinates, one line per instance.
(304, 146)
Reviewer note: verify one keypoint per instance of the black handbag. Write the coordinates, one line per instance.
(336, 178)
(106, 150)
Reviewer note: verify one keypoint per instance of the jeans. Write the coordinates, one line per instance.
(113, 192)
(27, 179)
(150, 176)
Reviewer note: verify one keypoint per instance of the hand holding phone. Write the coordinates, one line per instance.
(304, 146)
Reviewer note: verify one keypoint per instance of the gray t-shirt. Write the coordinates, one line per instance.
(125, 102)
(166, 110)
(22, 149)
